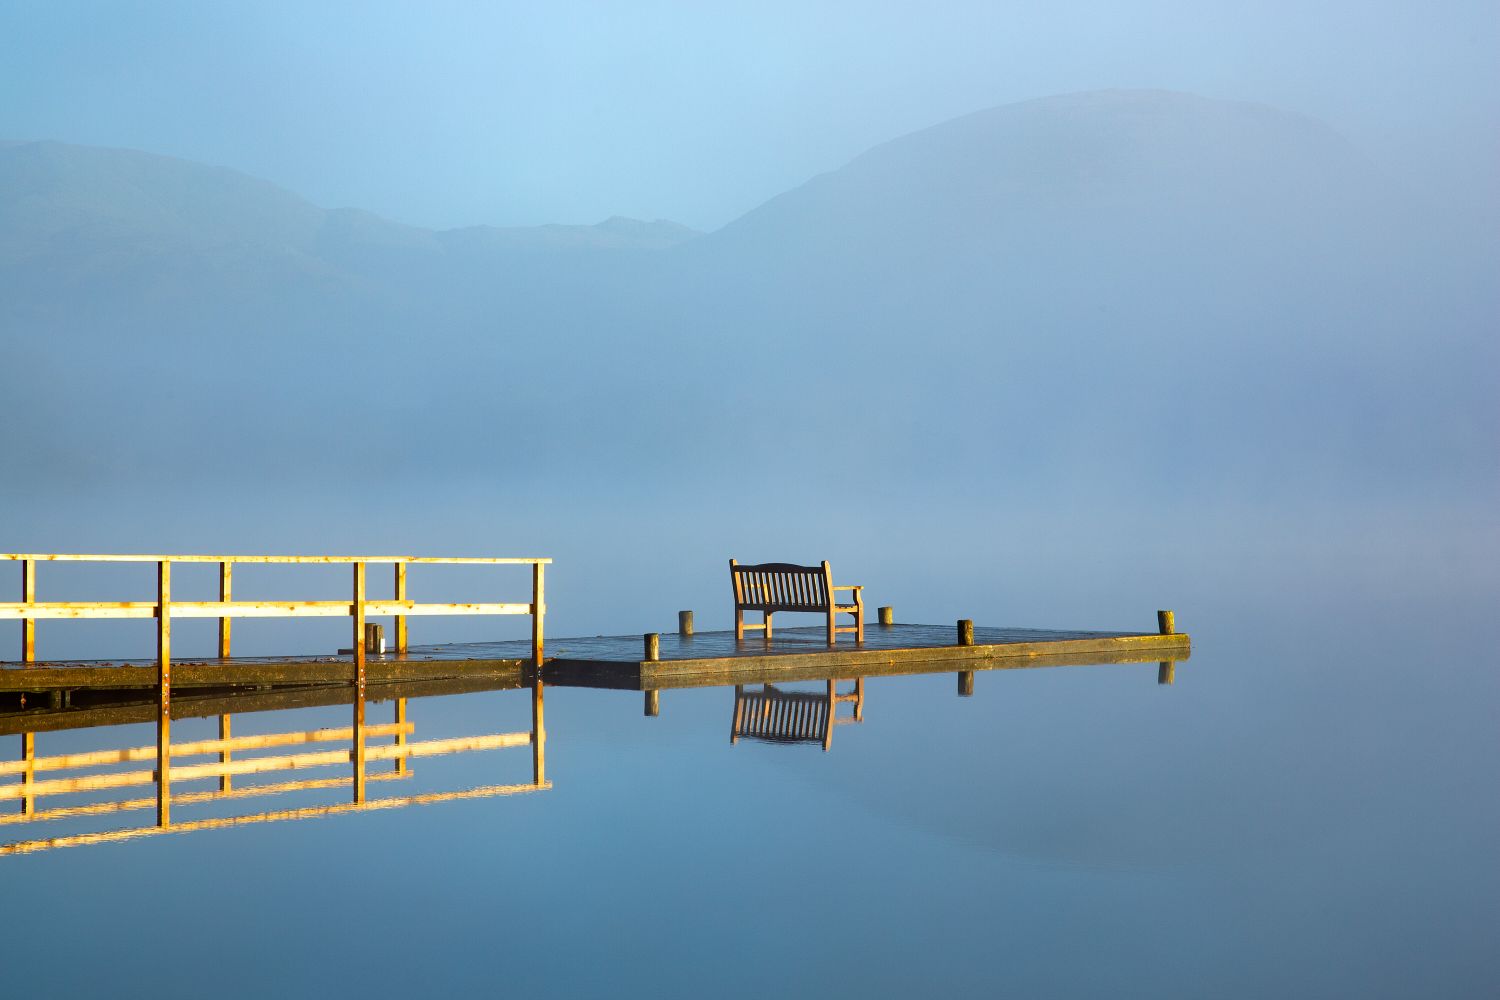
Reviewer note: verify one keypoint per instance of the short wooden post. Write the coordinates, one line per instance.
(28, 757)
(965, 632)
(400, 595)
(1166, 622)
(966, 683)
(226, 594)
(357, 752)
(28, 625)
(225, 781)
(651, 642)
(374, 638)
(538, 732)
(684, 623)
(1166, 671)
(887, 615)
(653, 704)
(400, 720)
(164, 692)
(538, 612)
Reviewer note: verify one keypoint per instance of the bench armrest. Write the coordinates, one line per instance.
(849, 587)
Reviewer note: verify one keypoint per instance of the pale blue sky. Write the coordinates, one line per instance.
(455, 113)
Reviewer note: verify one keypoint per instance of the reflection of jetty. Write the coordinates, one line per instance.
(387, 746)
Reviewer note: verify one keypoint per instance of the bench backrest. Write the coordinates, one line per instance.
(782, 586)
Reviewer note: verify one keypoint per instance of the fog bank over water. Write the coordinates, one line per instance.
(1115, 343)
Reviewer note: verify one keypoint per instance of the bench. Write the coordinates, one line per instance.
(776, 716)
(772, 587)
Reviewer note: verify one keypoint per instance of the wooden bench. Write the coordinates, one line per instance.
(772, 587)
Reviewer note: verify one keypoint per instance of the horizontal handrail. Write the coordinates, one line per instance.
(246, 609)
(120, 557)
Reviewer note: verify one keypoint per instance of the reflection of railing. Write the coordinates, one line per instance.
(778, 716)
(29, 788)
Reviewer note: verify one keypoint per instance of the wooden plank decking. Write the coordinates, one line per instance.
(706, 658)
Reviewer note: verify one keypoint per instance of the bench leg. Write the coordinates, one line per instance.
(739, 624)
(859, 623)
(768, 626)
(832, 628)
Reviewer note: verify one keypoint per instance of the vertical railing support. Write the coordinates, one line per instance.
(164, 692)
(357, 754)
(28, 625)
(538, 613)
(400, 595)
(226, 594)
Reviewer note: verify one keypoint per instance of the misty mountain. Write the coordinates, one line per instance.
(1137, 286)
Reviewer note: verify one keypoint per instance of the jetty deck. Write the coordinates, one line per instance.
(620, 661)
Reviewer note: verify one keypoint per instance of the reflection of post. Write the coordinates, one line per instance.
(358, 751)
(225, 781)
(653, 703)
(401, 734)
(966, 683)
(833, 710)
(28, 757)
(164, 692)
(357, 754)
(1166, 624)
(538, 732)
(538, 612)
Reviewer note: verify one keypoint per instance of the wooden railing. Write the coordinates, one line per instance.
(359, 607)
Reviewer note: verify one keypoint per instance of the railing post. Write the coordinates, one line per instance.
(357, 753)
(164, 692)
(400, 594)
(226, 594)
(28, 625)
(538, 612)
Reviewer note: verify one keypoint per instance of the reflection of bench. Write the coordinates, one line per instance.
(778, 716)
(772, 587)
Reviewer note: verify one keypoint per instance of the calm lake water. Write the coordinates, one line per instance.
(1309, 810)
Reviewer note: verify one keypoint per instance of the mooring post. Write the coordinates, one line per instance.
(887, 615)
(965, 632)
(684, 623)
(653, 704)
(164, 692)
(1166, 622)
(652, 643)
(374, 638)
(966, 683)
